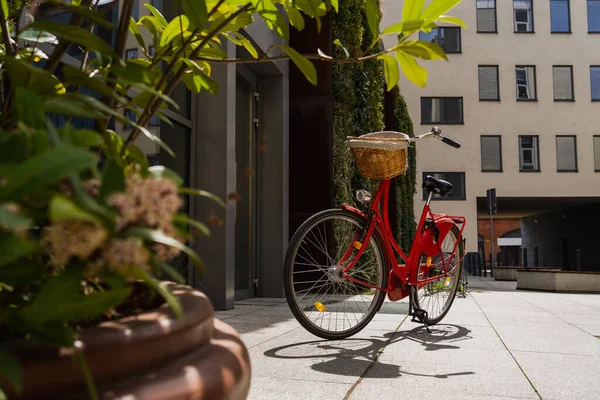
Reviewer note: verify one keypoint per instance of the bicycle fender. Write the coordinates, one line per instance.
(428, 243)
(353, 210)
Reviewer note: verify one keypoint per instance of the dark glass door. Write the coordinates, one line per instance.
(246, 173)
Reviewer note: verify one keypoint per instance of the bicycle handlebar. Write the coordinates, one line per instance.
(437, 133)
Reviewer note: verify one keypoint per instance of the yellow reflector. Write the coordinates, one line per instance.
(357, 245)
(448, 281)
(428, 262)
(320, 307)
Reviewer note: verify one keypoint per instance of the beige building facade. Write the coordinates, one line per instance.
(521, 92)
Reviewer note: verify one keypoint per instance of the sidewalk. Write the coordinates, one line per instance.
(495, 343)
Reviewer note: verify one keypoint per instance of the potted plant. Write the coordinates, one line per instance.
(87, 226)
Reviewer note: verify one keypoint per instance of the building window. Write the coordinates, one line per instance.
(523, 15)
(135, 12)
(457, 179)
(151, 50)
(560, 16)
(157, 4)
(489, 88)
(441, 110)
(526, 85)
(448, 38)
(595, 82)
(597, 153)
(529, 156)
(566, 154)
(131, 54)
(155, 121)
(131, 116)
(562, 76)
(486, 16)
(593, 11)
(491, 153)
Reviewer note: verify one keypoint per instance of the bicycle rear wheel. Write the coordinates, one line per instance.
(322, 300)
(436, 297)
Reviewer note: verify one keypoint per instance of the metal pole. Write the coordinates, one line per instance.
(492, 243)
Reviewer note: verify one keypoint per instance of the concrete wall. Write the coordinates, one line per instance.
(508, 117)
(578, 226)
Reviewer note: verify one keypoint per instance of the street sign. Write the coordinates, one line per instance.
(492, 206)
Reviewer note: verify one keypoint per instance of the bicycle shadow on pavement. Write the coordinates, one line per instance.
(353, 357)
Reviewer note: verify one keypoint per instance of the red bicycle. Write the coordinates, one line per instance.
(341, 263)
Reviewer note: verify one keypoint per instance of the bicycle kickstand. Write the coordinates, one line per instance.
(419, 315)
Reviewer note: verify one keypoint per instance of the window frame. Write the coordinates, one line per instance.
(495, 18)
(497, 80)
(532, 22)
(537, 153)
(568, 18)
(455, 28)
(587, 9)
(439, 198)
(596, 165)
(574, 149)
(132, 49)
(572, 99)
(591, 91)
(499, 149)
(534, 82)
(462, 110)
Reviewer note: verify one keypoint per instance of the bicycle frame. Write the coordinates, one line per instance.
(424, 242)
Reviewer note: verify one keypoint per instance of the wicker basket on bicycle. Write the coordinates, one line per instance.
(380, 155)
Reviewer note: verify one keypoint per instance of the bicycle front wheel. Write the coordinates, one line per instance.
(436, 297)
(325, 302)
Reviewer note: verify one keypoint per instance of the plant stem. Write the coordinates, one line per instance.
(87, 374)
(6, 35)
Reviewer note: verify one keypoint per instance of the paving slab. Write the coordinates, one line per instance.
(262, 388)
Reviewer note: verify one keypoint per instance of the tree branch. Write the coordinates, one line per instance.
(8, 44)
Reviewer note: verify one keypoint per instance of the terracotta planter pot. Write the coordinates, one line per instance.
(149, 356)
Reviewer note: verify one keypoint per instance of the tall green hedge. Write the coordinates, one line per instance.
(358, 93)
(358, 97)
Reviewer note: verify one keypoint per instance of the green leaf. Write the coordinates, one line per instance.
(13, 247)
(157, 14)
(175, 28)
(203, 193)
(452, 20)
(45, 169)
(372, 9)
(88, 13)
(155, 236)
(13, 220)
(113, 178)
(84, 138)
(196, 12)
(60, 300)
(169, 270)
(413, 71)
(270, 14)
(184, 219)
(62, 208)
(339, 44)
(5, 9)
(135, 154)
(424, 50)
(74, 34)
(438, 8)
(9, 366)
(247, 44)
(22, 74)
(154, 138)
(412, 9)
(152, 25)
(406, 26)
(70, 107)
(164, 292)
(212, 52)
(135, 31)
(295, 17)
(391, 72)
(303, 64)
(38, 36)
(28, 108)
(133, 72)
(21, 273)
(161, 172)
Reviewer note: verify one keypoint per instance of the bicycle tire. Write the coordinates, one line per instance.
(415, 298)
(292, 267)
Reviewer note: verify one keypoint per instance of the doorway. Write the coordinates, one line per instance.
(246, 158)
